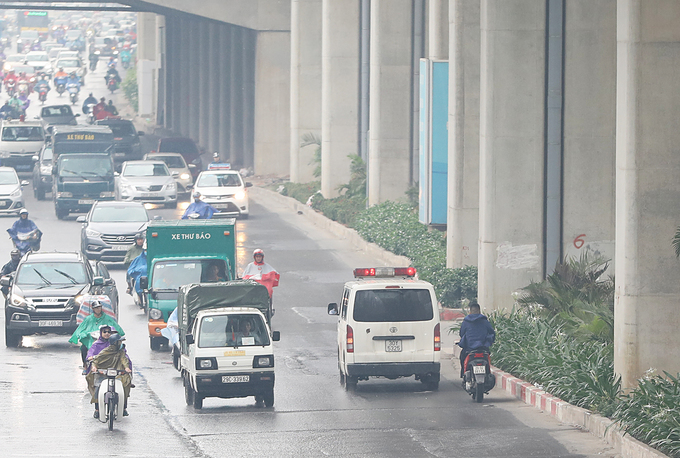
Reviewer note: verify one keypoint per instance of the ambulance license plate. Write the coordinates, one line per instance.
(392, 345)
(235, 378)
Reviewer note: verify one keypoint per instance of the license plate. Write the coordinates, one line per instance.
(392, 345)
(235, 378)
(479, 369)
(149, 194)
(218, 206)
(118, 154)
(86, 202)
(24, 167)
(119, 247)
(50, 323)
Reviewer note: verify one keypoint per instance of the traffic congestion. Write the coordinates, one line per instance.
(155, 308)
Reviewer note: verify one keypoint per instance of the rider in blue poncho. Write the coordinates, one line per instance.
(202, 209)
(23, 226)
(137, 270)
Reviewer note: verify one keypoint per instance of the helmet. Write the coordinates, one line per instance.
(196, 195)
(61, 69)
(216, 155)
(115, 338)
(139, 236)
(91, 95)
(96, 304)
(23, 211)
(258, 251)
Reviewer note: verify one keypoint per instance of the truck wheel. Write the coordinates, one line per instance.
(155, 343)
(61, 214)
(175, 357)
(269, 398)
(189, 392)
(342, 379)
(351, 383)
(198, 401)
(40, 193)
(12, 340)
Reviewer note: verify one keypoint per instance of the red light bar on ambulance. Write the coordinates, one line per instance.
(385, 272)
(219, 166)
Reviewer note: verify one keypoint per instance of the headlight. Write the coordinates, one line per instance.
(78, 299)
(18, 301)
(171, 186)
(185, 176)
(64, 194)
(106, 194)
(206, 363)
(263, 361)
(240, 195)
(16, 193)
(4, 153)
(155, 314)
(92, 233)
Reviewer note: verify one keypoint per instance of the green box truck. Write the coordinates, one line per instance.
(182, 252)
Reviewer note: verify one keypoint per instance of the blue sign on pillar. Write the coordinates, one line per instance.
(434, 141)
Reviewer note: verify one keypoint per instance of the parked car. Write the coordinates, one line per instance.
(175, 163)
(46, 292)
(128, 146)
(224, 190)
(42, 172)
(11, 191)
(184, 146)
(109, 229)
(146, 181)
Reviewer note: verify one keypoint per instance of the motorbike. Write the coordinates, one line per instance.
(42, 95)
(90, 113)
(125, 60)
(73, 91)
(60, 83)
(477, 377)
(23, 89)
(109, 399)
(111, 84)
(10, 87)
(94, 61)
(28, 241)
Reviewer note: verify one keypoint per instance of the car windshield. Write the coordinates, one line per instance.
(122, 129)
(22, 134)
(8, 177)
(219, 180)
(232, 331)
(24, 69)
(68, 63)
(119, 214)
(170, 275)
(15, 58)
(146, 170)
(51, 273)
(79, 165)
(47, 154)
(391, 305)
(173, 162)
(63, 110)
(99, 41)
(37, 57)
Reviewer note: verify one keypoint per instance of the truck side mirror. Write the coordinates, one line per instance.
(189, 338)
(140, 133)
(144, 282)
(98, 281)
(248, 184)
(276, 336)
(6, 281)
(333, 309)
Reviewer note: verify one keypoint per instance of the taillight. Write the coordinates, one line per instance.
(437, 338)
(350, 339)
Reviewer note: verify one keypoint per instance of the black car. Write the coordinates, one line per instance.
(127, 144)
(42, 172)
(110, 228)
(57, 115)
(46, 292)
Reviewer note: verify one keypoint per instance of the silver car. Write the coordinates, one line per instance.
(11, 193)
(148, 182)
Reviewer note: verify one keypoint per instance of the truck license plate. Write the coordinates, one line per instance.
(479, 369)
(235, 378)
(50, 323)
(149, 194)
(392, 345)
(86, 202)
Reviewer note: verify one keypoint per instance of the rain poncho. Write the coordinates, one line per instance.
(110, 357)
(22, 226)
(171, 331)
(137, 270)
(204, 210)
(262, 273)
(90, 324)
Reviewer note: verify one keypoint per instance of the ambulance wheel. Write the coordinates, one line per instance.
(189, 393)
(269, 398)
(351, 383)
(342, 379)
(198, 401)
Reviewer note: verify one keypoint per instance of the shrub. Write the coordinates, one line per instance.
(130, 89)
(298, 191)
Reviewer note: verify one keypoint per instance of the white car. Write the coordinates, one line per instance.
(175, 163)
(40, 61)
(148, 182)
(225, 190)
(11, 192)
(72, 64)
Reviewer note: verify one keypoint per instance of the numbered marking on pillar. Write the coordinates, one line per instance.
(579, 242)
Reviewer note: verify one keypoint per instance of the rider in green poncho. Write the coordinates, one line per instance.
(92, 323)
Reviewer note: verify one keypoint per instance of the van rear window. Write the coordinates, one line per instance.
(379, 306)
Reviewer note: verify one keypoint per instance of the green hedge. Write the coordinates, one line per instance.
(130, 89)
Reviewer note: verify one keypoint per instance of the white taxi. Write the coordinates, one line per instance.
(225, 190)
(388, 326)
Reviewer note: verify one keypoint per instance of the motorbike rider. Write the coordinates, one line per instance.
(261, 272)
(10, 77)
(100, 108)
(136, 271)
(125, 55)
(91, 323)
(202, 209)
(108, 352)
(73, 80)
(60, 75)
(15, 104)
(112, 73)
(8, 111)
(23, 226)
(135, 250)
(111, 108)
(476, 334)
(42, 83)
(94, 58)
(10, 267)
(90, 100)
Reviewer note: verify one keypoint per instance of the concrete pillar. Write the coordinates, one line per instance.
(646, 315)
(512, 97)
(215, 81)
(438, 29)
(339, 92)
(272, 103)
(389, 166)
(204, 83)
(463, 166)
(589, 128)
(146, 62)
(182, 110)
(235, 93)
(305, 85)
(193, 82)
(224, 69)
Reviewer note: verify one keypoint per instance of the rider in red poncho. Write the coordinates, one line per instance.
(261, 272)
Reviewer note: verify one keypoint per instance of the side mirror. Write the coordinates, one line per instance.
(248, 184)
(36, 117)
(116, 174)
(276, 336)
(189, 338)
(25, 183)
(192, 166)
(144, 282)
(157, 218)
(98, 281)
(35, 158)
(175, 174)
(6, 281)
(81, 219)
(140, 133)
(333, 309)
(77, 115)
(109, 282)
(190, 187)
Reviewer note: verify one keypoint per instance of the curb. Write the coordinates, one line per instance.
(599, 426)
(265, 197)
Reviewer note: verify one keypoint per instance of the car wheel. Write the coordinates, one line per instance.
(243, 216)
(171, 205)
(40, 193)
(61, 214)
(12, 340)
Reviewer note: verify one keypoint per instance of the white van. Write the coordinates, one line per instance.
(19, 142)
(388, 326)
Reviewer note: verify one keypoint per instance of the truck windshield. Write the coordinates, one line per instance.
(379, 306)
(170, 275)
(79, 165)
(51, 273)
(232, 331)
